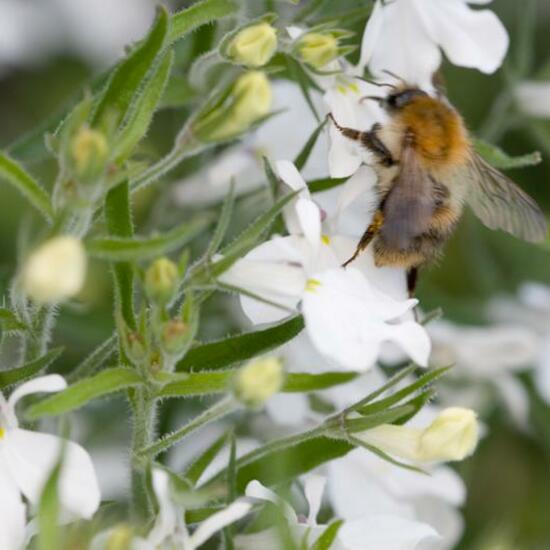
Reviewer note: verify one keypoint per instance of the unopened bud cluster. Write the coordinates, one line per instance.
(253, 46)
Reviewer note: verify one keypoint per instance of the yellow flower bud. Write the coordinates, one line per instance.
(257, 381)
(248, 101)
(318, 49)
(162, 280)
(89, 152)
(453, 435)
(253, 46)
(120, 538)
(55, 271)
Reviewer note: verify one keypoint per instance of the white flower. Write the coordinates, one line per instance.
(55, 271)
(169, 530)
(533, 98)
(364, 533)
(362, 484)
(28, 458)
(346, 316)
(452, 435)
(485, 357)
(531, 310)
(405, 37)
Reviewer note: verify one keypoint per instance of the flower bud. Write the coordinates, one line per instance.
(453, 435)
(245, 103)
(253, 46)
(120, 538)
(175, 336)
(318, 49)
(162, 280)
(257, 381)
(55, 271)
(89, 153)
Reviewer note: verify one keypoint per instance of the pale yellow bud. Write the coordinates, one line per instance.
(253, 46)
(318, 49)
(453, 435)
(120, 538)
(161, 280)
(89, 154)
(257, 381)
(55, 271)
(248, 101)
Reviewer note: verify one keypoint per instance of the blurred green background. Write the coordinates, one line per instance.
(509, 477)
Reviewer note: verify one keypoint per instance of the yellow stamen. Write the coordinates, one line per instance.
(354, 87)
(2, 433)
(342, 89)
(312, 285)
(325, 239)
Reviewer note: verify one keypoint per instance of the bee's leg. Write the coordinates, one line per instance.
(370, 233)
(370, 140)
(412, 280)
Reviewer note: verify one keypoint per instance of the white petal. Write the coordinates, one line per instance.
(256, 490)
(47, 384)
(372, 33)
(309, 218)
(166, 521)
(30, 458)
(12, 512)
(534, 98)
(469, 38)
(445, 519)
(314, 487)
(268, 539)
(288, 409)
(289, 174)
(515, 397)
(387, 532)
(219, 520)
(542, 372)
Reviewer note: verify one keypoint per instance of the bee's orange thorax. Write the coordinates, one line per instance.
(437, 133)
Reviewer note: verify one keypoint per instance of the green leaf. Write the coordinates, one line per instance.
(326, 540)
(287, 464)
(209, 383)
(118, 249)
(9, 321)
(77, 395)
(143, 108)
(324, 184)
(300, 76)
(17, 176)
(223, 353)
(119, 224)
(95, 360)
(28, 370)
(49, 534)
(302, 158)
(400, 395)
(195, 470)
(354, 425)
(127, 78)
(199, 14)
(243, 243)
(496, 157)
(223, 222)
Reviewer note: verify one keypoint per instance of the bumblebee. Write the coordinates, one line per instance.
(427, 170)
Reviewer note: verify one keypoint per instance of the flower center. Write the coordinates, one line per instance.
(325, 239)
(2, 433)
(312, 285)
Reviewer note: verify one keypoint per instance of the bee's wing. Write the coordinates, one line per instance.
(500, 204)
(409, 205)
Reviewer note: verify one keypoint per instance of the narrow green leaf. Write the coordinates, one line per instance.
(300, 76)
(499, 159)
(243, 243)
(272, 178)
(118, 249)
(198, 466)
(199, 14)
(209, 383)
(17, 176)
(28, 370)
(324, 184)
(49, 534)
(400, 395)
(9, 321)
(223, 222)
(77, 395)
(302, 158)
(119, 224)
(326, 540)
(354, 425)
(130, 73)
(226, 352)
(139, 118)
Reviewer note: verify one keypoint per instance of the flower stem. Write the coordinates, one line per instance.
(218, 410)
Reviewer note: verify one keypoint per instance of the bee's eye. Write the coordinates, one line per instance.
(392, 100)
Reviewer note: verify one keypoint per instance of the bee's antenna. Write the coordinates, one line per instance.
(379, 84)
(373, 97)
(393, 75)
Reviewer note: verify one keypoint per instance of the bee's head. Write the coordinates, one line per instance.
(398, 99)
